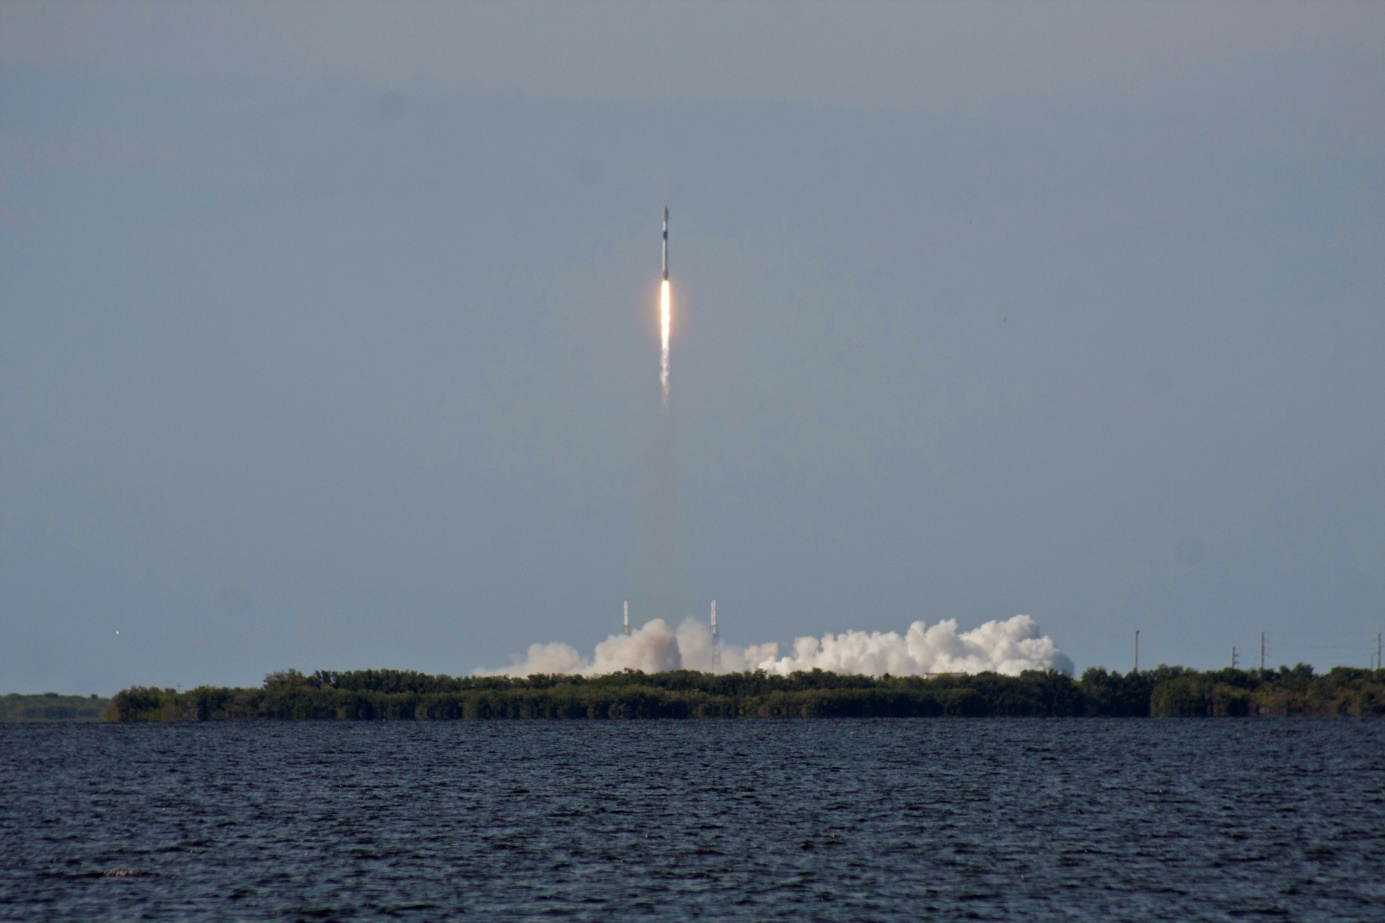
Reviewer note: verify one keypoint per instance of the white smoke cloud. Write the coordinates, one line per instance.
(652, 648)
(1007, 647)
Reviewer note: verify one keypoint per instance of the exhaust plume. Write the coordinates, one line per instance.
(1009, 647)
(663, 352)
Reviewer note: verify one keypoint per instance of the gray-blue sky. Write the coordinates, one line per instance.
(329, 340)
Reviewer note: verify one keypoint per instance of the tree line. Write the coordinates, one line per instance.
(407, 695)
(50, 706)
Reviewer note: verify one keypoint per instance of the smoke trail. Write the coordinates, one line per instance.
(660, 570)
(1007, 647)
(663, 351)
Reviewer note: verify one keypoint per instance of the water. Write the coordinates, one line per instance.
(1027, 819)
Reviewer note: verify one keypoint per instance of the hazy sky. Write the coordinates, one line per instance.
(328, 334)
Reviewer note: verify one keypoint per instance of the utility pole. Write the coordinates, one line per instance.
(1137, 650)
(1377, 650)
(1262, 652)
(1233, 656)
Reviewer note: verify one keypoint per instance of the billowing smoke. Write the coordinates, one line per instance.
(1008, 647)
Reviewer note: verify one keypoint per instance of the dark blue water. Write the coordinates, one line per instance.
(991, 819)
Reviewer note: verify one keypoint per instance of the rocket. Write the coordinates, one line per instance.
(664, 318)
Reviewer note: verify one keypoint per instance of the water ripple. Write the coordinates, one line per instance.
(719, 820)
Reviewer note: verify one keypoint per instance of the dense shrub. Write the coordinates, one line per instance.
(366, 695)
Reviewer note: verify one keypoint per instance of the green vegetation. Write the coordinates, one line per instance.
(1288, 691)
(394, 694)
(51, 707)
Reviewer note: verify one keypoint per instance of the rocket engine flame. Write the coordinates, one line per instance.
(663, 352)
(664, 318)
